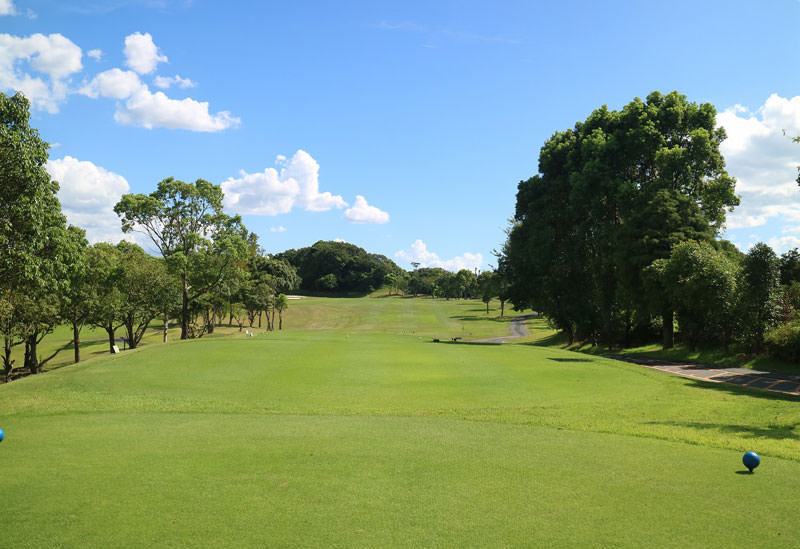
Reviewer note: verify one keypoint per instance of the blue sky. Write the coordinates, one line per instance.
(402, 127)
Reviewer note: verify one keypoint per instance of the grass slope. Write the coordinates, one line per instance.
(353, 434)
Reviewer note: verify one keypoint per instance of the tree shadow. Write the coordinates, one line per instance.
(774, 432)
(472, 318)
(459, 341)
(552, 340)
(739, 390)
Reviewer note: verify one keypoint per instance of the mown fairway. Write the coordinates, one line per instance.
(352, 428)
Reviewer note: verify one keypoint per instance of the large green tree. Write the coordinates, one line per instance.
(185, 222)
(700, 284)
(759, 295)
(613, 194)
(37, 251)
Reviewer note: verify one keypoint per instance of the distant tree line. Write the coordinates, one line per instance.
(615, 239)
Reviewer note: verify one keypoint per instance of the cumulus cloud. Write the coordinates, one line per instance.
(760, 153)
(419, 253)
(149, 110)
(97, 55)
(141, 53)
(274, 192)
(54, 56)
(280, 229)
(88, 194)
(164, 82)
(114, 84)
(7, 7)
(361, 212)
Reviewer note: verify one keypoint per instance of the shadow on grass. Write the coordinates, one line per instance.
(775, 432)
(554, 340)
(482, 318)
(742, 391)
(476, 343)
(571, 359)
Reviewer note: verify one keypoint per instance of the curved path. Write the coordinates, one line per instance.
(518, 329)
(742, 377)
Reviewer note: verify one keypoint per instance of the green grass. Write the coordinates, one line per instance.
(353, 429)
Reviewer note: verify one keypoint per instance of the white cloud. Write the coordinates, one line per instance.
(150, 110)
(88, 194)
(783, 243)
(280, 229)
(342, 240)
(53, 55)
(147, 109)
(114, 84)
(164, 82)
(418, 253)
(7, 7)
(305, 170)
(274, 192)
(361, 212)
(141, 53)
(760, 153)
(97, 55)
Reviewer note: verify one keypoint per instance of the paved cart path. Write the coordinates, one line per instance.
(518, 329)
(743, 377)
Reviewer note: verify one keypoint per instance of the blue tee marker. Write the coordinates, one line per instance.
(2, 435)
(751, 460)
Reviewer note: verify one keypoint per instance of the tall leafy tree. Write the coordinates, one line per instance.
(185, 222)
(36, 250)
(700, 284)
(281, 304)
(105, 274)
(613, 194)
(145, 286)
(759, 294)
(79, 295)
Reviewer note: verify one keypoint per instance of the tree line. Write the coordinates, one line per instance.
(210, 267)
(615, 239)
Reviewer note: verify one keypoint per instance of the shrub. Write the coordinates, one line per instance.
(783, 341)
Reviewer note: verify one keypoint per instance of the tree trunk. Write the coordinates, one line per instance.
(210, 321)
(76, 341)
(502, 307)
(131, 333)
(8, 364)
(165, 328)
(668, 336)
(260, 314)
(185, 308)
(487, 307)
(280, 321)
(111, 338)
(273, 317)
(31, 358)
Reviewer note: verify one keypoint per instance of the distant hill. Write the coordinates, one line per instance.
(329, 266)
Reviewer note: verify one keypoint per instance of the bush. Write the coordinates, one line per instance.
(783, 341)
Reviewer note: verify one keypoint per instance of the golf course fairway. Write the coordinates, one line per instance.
(349, 430)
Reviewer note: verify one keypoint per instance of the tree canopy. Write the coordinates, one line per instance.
(186, 224)
(613, 194)
(331, 266)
